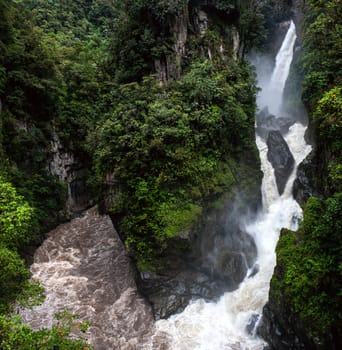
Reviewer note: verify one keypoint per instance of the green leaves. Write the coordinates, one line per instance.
(167, 148)
(310, 260)
(328, 118)
(17, 218)
(15, 335)
(321, 59)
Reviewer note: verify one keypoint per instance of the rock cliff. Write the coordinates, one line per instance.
(191, 26)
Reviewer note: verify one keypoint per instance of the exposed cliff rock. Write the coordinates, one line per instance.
(191, 25)
(307, 181)
(65, 165)
(170, 66)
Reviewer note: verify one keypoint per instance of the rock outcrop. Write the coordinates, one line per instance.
(282, 327)
(280, 157)
(68, 168)
(220, 254)
(190, 25)
(267, 122)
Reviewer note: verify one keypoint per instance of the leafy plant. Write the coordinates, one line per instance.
(16, 335)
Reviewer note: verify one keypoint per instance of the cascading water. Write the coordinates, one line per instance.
(272, 95)
(229, 323)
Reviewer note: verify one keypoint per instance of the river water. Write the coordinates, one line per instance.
(229, 323)
(83, 266)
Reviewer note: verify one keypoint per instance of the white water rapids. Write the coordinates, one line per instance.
(83, 267)
(222, 325)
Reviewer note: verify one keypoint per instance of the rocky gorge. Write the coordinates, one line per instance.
(169, 154)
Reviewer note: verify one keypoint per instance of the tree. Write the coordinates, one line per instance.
(17, 218)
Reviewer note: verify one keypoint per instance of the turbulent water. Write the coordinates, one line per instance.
(84, 268)
(229, 323)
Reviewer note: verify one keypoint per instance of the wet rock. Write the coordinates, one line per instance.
(252, 323)
(267, 122)
(271, 331)
(171, 292)
(232, 266)
(254, 271)
(234, 253)
(307, 180)
(281, 159)
(221, 254)
(283, 330)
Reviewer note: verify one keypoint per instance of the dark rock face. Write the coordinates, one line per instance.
(280, 336)
(306, 182)
(280, 157)
(193, 21)
(267, 122)
(72, 170)
(171, 290)
(226, 254)
(220, 256)
(252, 323)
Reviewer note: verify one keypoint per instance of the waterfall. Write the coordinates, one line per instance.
(272, 94)
(83, 266)
(229, 322)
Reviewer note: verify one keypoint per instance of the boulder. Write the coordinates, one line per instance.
(307, 181)
(267, 122)
(281, 159)
(170, 291)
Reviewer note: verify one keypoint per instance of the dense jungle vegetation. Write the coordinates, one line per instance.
(83, 72)
(309, 261)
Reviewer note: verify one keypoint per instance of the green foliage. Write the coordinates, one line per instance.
(77, 47)
(16, 216)
(51, 77)
(328, 118)
(321, 60)
(310, 261)
(15, 335)
(252, 25)
(17, 220)
(168, 149)
(321, 65)
(14, 276)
